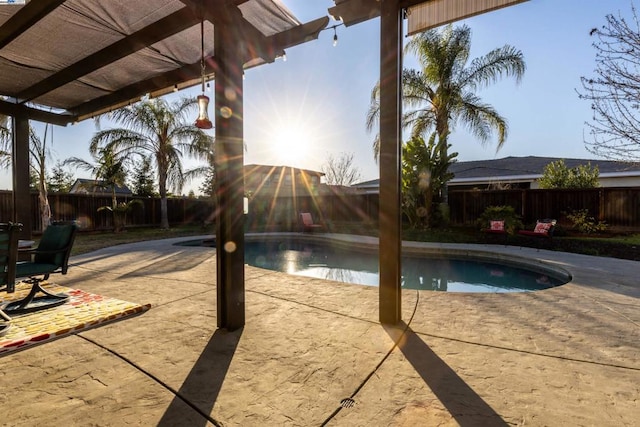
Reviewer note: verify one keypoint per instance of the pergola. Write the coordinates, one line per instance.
(63, 61)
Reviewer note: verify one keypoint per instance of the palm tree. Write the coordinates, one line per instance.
(5, 142)
(39, 153)
(37, 162)
(157, 128)
(442, 92)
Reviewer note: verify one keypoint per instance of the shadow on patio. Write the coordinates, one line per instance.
(202, 386)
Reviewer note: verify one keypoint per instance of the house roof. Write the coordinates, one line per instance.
(532, 166)
(522, 168)
(68, 60)
(92, 186)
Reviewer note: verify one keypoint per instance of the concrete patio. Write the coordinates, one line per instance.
(566, 356)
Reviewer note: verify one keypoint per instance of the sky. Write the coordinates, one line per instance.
(300, 111)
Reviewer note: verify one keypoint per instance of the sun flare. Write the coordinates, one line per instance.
(290, 145)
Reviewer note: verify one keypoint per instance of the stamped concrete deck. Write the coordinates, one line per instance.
(568, 356)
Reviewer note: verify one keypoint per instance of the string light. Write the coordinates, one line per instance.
(335, 33)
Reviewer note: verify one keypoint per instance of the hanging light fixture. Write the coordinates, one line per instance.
(335, 36)
(203, 122)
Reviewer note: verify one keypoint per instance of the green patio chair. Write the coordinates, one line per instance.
(51, 256)
(8, 255)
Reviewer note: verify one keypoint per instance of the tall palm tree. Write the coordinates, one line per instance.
(155, 127)
(442, 92)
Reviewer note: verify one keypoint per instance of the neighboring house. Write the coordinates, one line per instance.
(278, 194)
(98, 188)
(280, 181)
(523, 172)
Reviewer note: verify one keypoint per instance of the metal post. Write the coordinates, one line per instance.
(21, 191)
(230, 181)
(390, 222)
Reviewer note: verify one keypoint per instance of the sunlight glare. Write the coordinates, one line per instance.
(290, 145)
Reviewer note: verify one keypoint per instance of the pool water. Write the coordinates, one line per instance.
(426, 273)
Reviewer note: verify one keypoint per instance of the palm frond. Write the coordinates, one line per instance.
(506, 61)
(482, 120)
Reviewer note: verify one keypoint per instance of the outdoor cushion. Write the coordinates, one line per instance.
(28, 269)
(497, 225)
(542, 227)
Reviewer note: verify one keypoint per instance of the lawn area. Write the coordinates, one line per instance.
(91, 241)
(617, 246)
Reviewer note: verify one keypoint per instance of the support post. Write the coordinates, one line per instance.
(390, 221)
(229, 180)
(20, 163)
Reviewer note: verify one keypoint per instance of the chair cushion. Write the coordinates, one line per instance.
(28, 269)
(496, 225)
(542, 227)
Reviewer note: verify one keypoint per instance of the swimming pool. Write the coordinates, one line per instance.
(436, 272)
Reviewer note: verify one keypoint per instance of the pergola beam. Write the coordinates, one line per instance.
(12, 109)
(298, 35)
(130, 93)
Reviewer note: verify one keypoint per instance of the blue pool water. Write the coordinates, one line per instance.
(426, 273)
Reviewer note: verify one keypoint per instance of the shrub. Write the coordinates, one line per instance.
(512, 221)
(584, 223)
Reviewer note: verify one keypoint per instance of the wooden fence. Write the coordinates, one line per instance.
(618, 207)
(84, 209)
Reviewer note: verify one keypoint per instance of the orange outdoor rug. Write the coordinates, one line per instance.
(83, 311)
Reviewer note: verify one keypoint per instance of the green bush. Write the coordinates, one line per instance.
(584, 223)
(512, 221)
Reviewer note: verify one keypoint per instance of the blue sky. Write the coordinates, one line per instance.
(314, 104)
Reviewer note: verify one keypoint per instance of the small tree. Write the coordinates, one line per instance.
(614, 92)
(143, 180)
(558, 175)
(60, 180)
(585, 223)
(340, 170)
(208, 186)
(424, 175)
